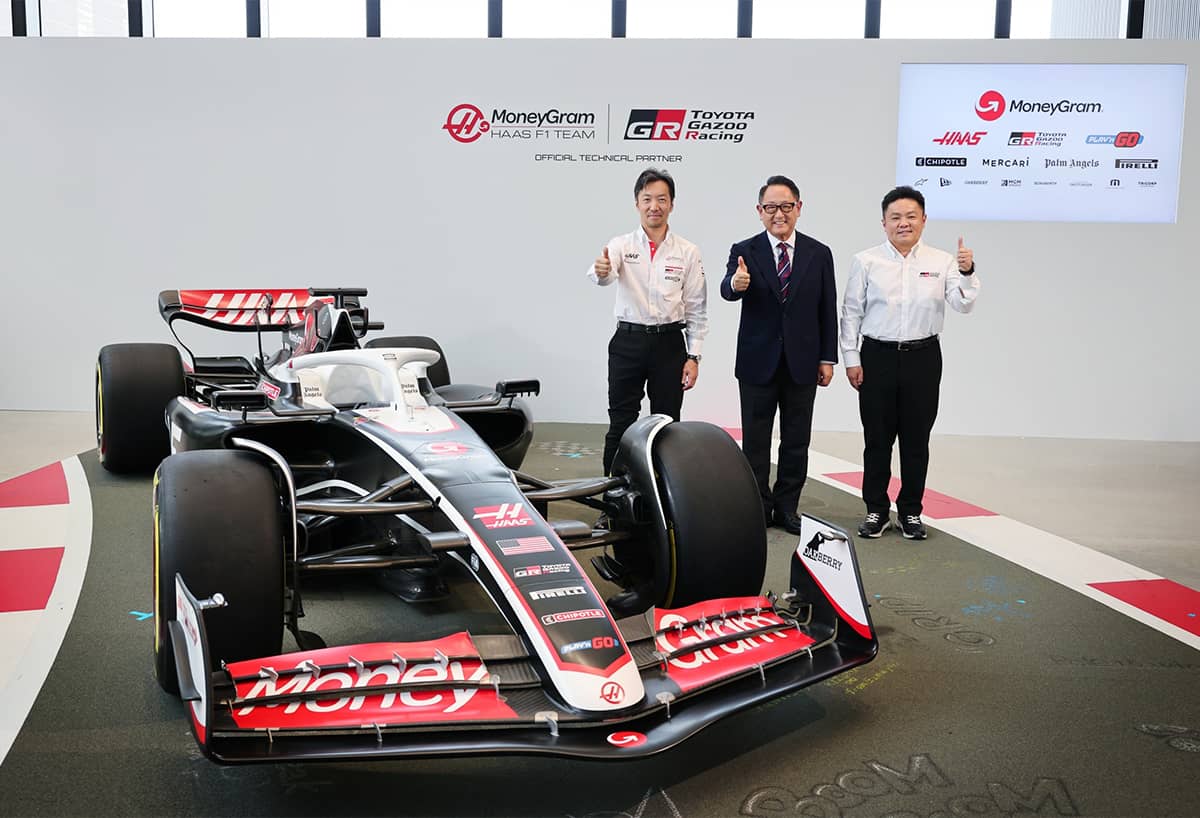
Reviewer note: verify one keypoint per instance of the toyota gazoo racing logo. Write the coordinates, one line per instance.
(465, 123)
(1124, 139)
(505, 515)
(990, 106)
(960, 138)
(687, 124)
(1036, 139)
(542, 570)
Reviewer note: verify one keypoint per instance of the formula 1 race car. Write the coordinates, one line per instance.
(332, 458)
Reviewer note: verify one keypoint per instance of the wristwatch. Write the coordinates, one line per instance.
(695, 358)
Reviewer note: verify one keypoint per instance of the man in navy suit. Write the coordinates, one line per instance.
(787, 343)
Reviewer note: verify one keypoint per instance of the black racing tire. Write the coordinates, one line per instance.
(716, 536)
(219, 523)
(439, 373)
(134, 384)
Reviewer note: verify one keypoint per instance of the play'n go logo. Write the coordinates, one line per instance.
(465, 123)
(990, 106)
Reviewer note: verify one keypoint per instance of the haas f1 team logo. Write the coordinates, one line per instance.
(465, 123)
(612, 693)
(990, 106)
(960, 137)
(505, 515)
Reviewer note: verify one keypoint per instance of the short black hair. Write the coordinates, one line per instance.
(650, 175)
(779, 180)
(903, 192)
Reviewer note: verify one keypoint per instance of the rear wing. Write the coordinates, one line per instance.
(236, 310)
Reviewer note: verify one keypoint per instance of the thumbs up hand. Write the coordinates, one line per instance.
(966, 258)
(741, 279)
(603, 265)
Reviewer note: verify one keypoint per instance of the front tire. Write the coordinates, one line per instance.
(716, 536)
(220, 524)
(134, 384)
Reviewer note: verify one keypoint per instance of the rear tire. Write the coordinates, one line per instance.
(219, 523)
(439, 373)
(134, 384)
(716, 536)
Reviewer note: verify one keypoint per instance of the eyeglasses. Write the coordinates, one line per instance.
(786, 207)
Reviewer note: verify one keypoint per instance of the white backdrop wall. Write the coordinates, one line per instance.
(132, 166)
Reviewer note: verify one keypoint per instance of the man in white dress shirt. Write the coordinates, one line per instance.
(893, 309)
(661, 311)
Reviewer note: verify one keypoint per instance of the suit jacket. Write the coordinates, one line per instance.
(804, 327)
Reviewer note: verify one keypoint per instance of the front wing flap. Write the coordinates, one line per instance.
(463, 694)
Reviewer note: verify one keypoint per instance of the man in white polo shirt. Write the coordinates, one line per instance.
(894, 308)
(661, 311)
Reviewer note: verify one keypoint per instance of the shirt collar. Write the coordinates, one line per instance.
(891, 250)
(644, 239)
(790, 241)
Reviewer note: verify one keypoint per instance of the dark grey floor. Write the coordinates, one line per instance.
(995, 692)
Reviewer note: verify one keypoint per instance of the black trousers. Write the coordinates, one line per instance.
(898, 398)
(794, 402)
(641, 362)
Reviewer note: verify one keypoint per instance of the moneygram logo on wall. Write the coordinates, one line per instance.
(687, 125)
(990, 106)
(466, 123)
(1043, 140)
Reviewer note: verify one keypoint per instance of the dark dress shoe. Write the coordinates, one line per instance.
(789, 521)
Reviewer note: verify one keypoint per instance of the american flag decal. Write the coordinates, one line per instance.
(524, 545)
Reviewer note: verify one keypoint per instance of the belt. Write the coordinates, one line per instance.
(902, 346)
(629, 326)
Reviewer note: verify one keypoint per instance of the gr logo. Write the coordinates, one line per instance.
(655, 123)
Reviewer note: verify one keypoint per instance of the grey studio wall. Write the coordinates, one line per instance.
(132, 166)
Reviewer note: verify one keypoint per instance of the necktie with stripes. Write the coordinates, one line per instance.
(785, 271)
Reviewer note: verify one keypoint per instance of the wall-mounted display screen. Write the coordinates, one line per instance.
(1042, 142)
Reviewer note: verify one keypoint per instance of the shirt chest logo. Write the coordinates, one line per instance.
(632, 256)
(929, 274)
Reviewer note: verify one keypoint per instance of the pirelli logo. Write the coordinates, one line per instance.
(1136, 164)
